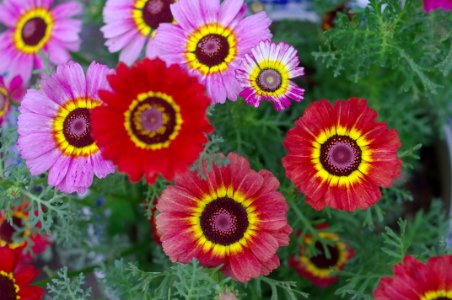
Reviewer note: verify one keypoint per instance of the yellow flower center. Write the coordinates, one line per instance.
(148, 14)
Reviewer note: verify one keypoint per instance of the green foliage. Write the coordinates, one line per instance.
(64, 288)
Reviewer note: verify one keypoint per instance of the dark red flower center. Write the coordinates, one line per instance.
(224, 221)
(77, 128)
(156, 12)
(321, 261)
(7, 230)
(212, 50)
(269, 80)
(7, 288)
(34, 31)
(442, 298)
(153, 121)
(340, 155)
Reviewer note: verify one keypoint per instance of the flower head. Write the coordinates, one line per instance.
(235, 218)
(414, 280)
(19, 228)
(130, 24)
(153, 223)
(339, 155)
(265, 74)
(430, 5)
(210, 39)
(14, 279)
(153, 121)
(55, 127)
(34, 27)
(319, 267)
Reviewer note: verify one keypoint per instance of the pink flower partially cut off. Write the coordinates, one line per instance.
(430, 5)
(33, 27)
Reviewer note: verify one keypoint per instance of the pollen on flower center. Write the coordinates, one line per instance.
(224, 221)
(7, 230)
(77, 128)
(321, 260)
(269, 80)
(156, 12)
(212, 50)
(340, 155)
(7, 287)
(33, 31)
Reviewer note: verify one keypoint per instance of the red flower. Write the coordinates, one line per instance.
(415, 280)
(339, 155)
(15, 280)
(317, 267)
(19, 226)
(152, 121)
(235, 218)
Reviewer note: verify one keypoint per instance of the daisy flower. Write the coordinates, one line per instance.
(319, 268)
(34, 27)
(265, 74)
(9, 91)
(14, 279)
(55, 128)
(209, 40)
(153, 120)
(339, 156)
(430, 5)
(129, 24)
(20, 227)
(414, 280)
(234, 217)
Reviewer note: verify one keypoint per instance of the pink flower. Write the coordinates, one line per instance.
(210, 39)
(55, 128)
(9, 90)
(129, 24)
(34, 27)
(430, 5)
(265, 74)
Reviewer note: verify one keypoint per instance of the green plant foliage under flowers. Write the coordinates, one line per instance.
(397, 57)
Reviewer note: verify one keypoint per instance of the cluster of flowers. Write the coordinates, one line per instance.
(149, 119)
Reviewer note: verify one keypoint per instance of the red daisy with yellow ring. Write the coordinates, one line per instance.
(339, 155)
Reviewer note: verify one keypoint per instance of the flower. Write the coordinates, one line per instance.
(55, 128)
(414, 280)
(234, 217)
(430, 5)
(129, 24)
(15, 280)
(9, 90)
(330, 17)
(34, 27)
(317, 267)
(20, 227)
(153, 121)
(339, 155)
(265, 73)
(210, 39)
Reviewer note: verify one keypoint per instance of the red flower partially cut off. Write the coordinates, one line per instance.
(235, 218)
(19, 226)
(339, 156)
(15, 280)
(153, 120)
(414, 280)
(319, 267)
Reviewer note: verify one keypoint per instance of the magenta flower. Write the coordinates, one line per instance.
(210, 39)
(265, 74)
(129, 24)
(9, 90)
(55, 128)
(430, 5)
(34, 27)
